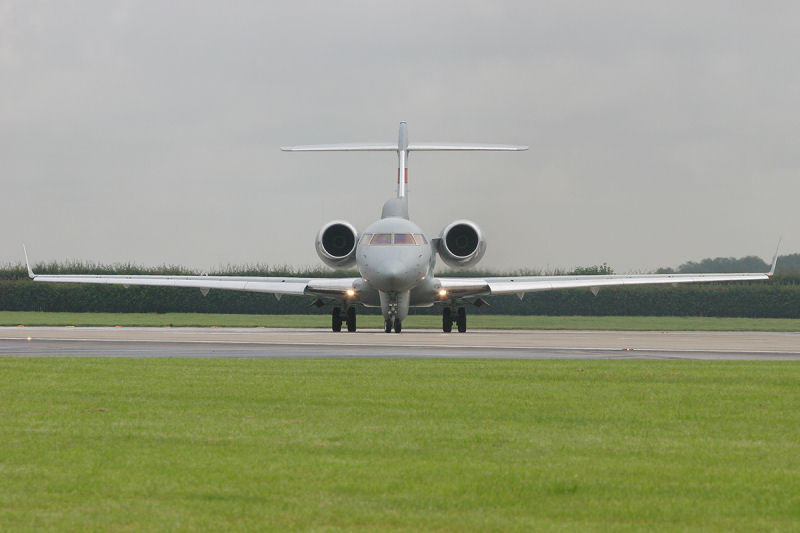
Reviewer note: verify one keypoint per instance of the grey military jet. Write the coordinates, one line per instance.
(396, 261)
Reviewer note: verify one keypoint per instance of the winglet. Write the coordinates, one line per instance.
(775, 258)
(28, 263)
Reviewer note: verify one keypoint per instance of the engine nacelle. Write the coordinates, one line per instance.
(461, 244)
(336, 244)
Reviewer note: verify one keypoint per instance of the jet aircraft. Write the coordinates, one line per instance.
(396, 259)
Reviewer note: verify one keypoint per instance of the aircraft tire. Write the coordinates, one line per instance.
(387, 326)
(336, 319)
(461, 320)
(351, 318)
(398, 326)
(447, 320)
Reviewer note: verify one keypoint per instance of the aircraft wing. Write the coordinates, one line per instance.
(467, 287)
(327, 287)
(323, 287)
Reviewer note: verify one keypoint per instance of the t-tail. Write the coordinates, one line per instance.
(402, 147)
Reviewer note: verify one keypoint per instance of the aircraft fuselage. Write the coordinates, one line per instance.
(394, 257)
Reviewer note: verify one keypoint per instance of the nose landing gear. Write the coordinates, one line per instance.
(392, 323)
(392, 320)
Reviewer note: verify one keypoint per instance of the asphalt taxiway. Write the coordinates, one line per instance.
(294, 343)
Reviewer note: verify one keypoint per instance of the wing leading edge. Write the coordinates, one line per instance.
(466, 287)
(516, 285)
(346, 288)
(324, 287)
(327, 287)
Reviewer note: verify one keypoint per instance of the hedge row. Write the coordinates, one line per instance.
(19, 271)
(752, 300)
(779, 298)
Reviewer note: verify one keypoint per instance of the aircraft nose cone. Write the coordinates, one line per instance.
(391, 277)
(393, 274)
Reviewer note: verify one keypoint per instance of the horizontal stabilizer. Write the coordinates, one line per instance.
(392, 147)
(342, 147)
(403, 148)
(432, 146)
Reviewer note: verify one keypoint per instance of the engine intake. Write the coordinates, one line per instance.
(461, 244)
(336, 244)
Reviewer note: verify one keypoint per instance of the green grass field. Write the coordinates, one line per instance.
(93, 444)
(667, 323)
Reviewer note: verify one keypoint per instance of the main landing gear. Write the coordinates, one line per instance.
(348, 317)
(392, 323)
(459, 318)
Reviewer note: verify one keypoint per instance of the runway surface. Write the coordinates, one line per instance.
(298, 343)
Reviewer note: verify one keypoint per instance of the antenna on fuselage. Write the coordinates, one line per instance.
(403, 148)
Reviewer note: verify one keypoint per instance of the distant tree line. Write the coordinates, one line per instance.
(779, 297)
(787, 264)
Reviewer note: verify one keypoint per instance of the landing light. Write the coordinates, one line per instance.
(351, 292)
(442, 292)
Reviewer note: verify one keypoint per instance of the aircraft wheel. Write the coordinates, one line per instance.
(387, 326)
(461, 320)
(398, 326)
(351, 318)
(447, 320)
(336, 319)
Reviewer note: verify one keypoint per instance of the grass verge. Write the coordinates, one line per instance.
(398, 445)
(629, 323)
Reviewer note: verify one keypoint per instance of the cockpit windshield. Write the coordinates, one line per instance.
(394, 238)
(403, 238)
(381, 238)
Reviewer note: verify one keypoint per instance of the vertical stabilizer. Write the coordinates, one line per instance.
(402, 160)
(395, 207)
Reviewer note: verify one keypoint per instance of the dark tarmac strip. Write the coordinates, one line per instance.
(307, 343)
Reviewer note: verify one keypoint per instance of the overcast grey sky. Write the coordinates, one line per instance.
(660, 132)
